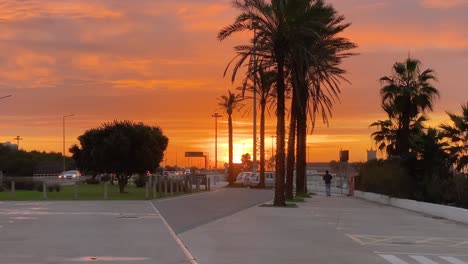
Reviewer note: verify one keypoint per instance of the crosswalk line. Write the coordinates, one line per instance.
(453, 260)
(393, 259)
(423, 260)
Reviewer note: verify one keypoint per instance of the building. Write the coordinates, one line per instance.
(371, 155)
(10, 145)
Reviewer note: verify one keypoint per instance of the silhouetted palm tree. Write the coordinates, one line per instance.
(457, 136)
(407, 93)
(229, 103)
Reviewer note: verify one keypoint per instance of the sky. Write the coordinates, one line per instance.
(159, 62)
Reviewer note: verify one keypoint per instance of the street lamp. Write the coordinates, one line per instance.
(216, 116)
(63, 153)
(254, 60)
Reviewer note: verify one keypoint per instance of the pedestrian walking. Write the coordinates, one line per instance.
(327, 178)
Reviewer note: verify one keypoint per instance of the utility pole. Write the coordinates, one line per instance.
(63, 150)
(18, 138)
(216, 116)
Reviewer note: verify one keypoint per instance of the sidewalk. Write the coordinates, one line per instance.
(321, 230)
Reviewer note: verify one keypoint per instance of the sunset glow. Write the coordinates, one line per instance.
(159, 62)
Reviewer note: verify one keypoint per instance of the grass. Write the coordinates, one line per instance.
(85, 192)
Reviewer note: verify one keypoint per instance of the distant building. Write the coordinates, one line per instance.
(10, 145)
(371, 155)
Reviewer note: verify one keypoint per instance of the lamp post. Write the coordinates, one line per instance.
(63, 153)
(254, 60)
(216, 116)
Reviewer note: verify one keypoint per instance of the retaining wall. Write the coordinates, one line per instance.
(443, 211)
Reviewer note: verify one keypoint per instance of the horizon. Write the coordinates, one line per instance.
(159, 62)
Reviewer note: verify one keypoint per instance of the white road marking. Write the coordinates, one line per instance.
(393, 259)
(419, 254)
(423, 260)
(453, 260)
(176, 238)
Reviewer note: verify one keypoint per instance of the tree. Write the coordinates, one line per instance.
(121, 147)
(457, 135)
(406, 94)
(246, 162)
(263, 86)
(228, 104)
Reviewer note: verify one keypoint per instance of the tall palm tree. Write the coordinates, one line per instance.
(264, 88)
(457, 135)
(271, 46)
(407, 92)
(229, 103)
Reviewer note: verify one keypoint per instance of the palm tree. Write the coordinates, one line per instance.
(264, 88)
(457, 135)
(229, 103)
(407, 92)
(271, 46)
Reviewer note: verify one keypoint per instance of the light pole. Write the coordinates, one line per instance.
(18, 138)
(216, 116)
(63, 153)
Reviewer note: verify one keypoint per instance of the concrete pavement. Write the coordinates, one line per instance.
(329, 230)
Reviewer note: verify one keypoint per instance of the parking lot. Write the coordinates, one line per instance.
(79, 232)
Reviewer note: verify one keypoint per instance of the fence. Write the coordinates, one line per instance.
(49, 187)
(339, 184)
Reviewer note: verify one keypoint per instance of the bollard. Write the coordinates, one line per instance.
(165, 187)
(44, 190)
(177, 183)
(154, 187)
(146, 190)
(197, 182)
(171, 186)
(190, 184)
(105, 191)
(13, 187)
(75, 192)
(209, 184)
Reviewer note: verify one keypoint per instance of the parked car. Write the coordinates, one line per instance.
(254, 179)
(72, 174)
(241, 177)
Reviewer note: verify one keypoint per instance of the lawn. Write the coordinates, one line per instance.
(85, 192)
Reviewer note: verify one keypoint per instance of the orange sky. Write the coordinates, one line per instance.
(158, 61)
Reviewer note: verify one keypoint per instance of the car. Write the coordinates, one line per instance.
(241, 177)
(254, 179)
(72, 174)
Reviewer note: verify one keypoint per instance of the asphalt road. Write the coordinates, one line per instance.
(188, 212)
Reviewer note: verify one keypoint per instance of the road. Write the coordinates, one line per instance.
(188, 212)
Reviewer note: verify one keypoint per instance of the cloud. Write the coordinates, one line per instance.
(443, 3)
(14, 10)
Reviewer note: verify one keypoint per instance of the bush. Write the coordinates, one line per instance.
(141, 180)
(92, 181)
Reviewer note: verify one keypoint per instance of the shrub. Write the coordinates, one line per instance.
(92, 181)
(141, 180)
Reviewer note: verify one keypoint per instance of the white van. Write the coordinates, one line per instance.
(242, 177)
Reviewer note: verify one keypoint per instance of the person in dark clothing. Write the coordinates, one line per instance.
(327, 178)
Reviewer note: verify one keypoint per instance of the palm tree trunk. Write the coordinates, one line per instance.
(231, 164)
(262, 144)
(301, 151)
(280, 199)
(291, 147)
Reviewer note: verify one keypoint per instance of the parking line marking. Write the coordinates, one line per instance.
(453, 260)
(423, 260)
(176, 238)
(355, 239)
(419, 254)
(393, 259)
